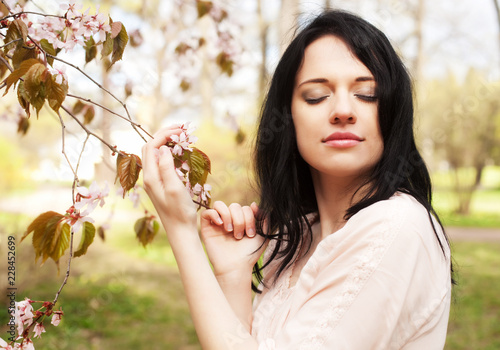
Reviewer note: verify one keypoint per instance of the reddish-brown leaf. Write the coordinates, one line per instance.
(78, 107)
(146, 229)
(18, 73)
(50, 236)
(116, 28)
(22, 54)
(17, 30)
(36, 83)
(128, 167)
(23, 125)
(89, 114)
(204, 7)
(23, 99)
(3, 67)
(56, 93)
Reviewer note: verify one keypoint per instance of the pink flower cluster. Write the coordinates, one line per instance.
(72, 29)
(23, 315)
(180, 144)
(87, 200)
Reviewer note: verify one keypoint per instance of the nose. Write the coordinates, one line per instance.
(342, 109)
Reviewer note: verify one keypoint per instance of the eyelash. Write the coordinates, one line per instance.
(367, 98)
(314, 101)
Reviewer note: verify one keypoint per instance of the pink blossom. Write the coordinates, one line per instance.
(92, 196)
(4, 345)
(23, 314)
(59, 74)
(28, 345)
(71, 8)
(76, 219)
(181, 143)
(39, 329)
(56, 318)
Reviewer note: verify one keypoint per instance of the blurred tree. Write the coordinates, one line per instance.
(462, 121)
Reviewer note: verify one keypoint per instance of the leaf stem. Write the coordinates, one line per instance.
(10, 42)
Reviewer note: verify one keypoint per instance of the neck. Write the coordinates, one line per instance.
(334, 196)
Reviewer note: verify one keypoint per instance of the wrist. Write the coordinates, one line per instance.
(241, 278)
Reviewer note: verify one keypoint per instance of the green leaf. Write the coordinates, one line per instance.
(90, 50)
(88, 234)
(107, 46)
(128, 167)
(48, 48)
(18, 73)
(119, 44)
(200, 166)
(146, 229)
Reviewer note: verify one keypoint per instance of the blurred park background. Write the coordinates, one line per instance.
(123, 296)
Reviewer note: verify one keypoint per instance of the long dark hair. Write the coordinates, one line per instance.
(286, 188)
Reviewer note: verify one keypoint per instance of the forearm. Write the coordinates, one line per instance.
(237, 289)
(218, 326)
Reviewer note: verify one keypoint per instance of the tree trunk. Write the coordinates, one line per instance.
(263, 76)
(287, 22)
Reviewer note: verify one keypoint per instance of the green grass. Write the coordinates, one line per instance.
(475, 314)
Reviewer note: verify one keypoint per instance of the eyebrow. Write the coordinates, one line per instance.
(323, 80)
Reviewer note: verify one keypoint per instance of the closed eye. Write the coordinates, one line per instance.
(313, 101)
(367, 98)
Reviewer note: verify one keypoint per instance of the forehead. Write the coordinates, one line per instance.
(329, 55)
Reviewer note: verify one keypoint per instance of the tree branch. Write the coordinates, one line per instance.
(112, 148)
(102, 88)
(68, 270)
(110, 111)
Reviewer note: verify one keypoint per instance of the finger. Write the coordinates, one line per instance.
(238, 220)
(249, 221)
(161, 137)
(225, 214)
(168, 175)
(212, 215)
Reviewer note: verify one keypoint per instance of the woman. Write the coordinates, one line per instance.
(356, 257)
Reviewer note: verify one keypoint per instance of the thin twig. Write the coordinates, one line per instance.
(67, 270)
(110, 111)
(100, 87)
(112, 148)
(4, 61)
(63, 128)
(31, 13)
(10, 42)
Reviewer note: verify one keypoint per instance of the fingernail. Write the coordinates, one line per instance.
(239, 235)
(251, 232)
(230, 227)
(219, 221)
(163, 150)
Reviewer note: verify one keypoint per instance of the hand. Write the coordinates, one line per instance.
(230, 240)
(162, 184)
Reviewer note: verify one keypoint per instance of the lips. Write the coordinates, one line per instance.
(343, 140)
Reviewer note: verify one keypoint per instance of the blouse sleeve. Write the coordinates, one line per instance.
(382, 282)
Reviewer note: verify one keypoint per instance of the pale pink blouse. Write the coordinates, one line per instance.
(380, 282)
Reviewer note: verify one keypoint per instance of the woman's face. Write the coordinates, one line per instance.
(334, 109)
